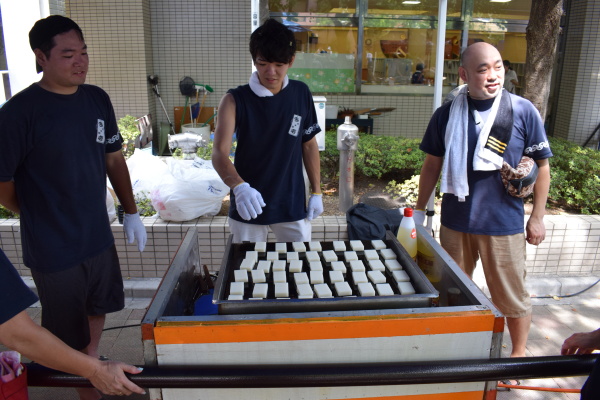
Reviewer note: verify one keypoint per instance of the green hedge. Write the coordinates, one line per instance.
(575, 171)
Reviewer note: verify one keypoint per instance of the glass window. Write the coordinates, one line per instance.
(313, 6)
(498, 9)
(418, 8)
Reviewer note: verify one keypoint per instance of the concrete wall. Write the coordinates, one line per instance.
(571, 248)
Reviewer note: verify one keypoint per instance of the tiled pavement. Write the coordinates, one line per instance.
(552, 322)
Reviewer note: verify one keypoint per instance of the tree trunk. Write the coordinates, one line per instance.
(542, 35)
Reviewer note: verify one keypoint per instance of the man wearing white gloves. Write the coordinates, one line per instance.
(276, 123)
(59, 142)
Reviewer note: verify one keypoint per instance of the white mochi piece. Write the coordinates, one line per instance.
(236, 288)
(316, 277)
(376, 265)
(252, 255)
(384, 289)
(312, 256)
(357, 245)
(315, 266)
(281, 247)
(299, 247)
(339, 245)
(260, 247)
(329, 256)
(272, 255)
(376, 277)
(279, 265)
(387, 254)
(366, 289)
(350, 256)
(393, 265)
(315, 246)
(258, 276)
(235, 297)
(336, 276)
(305, 291)
(301, 278)
(323, 291)
(343, 289)
(338, 266)
(400, 276)
(248, 264)
(357, 266)
(371, 254)
(282, 289)
(359, 277)
(279, 277)
(240, 275)
(406, 288)
(264, 265)
(292, 255)
(378, 244)
(260, 290)
(295, 266)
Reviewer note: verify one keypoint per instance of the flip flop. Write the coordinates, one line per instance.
(509, 385)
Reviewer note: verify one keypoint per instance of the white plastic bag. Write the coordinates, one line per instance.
(192, 189)
(110, 206)
(145, 171)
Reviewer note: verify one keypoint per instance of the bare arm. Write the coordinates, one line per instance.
(116, 169)
(222, 142)
(36, 343)
(8, 196)
(536, 231)
(581, 343)
(430, 173)
(312, 163)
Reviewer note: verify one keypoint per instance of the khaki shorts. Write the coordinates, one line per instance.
(295, 231)
(503, 260)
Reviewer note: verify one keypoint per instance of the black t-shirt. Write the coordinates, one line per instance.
(54, 147)
(417, 77)
(15, 296)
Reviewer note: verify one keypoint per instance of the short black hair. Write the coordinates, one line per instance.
(273, 41)
(507, 63)
(41, 36)
(420, 67)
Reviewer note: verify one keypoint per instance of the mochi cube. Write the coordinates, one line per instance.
(240, 275)
(393, 265)
(236, 288)
(281, 247)
(406, 288)
(376, 277)
(260, 247)
(258, 276)
(357, 266)
(315, 266)
(376, 265)
(357, 245)
(312, 256)
(299, 247)
(366, 289)
(350, 256)
(329, 256)
(387, 254)
(343, 289)
(279, 277)
(384, 289)
(323, 291)
(359, 277)
(338, 266)
(248, 264)
(272, 255)
(282, 290)
(371, 254)
(260, 290)
(378, 244)
(339, 245)
(336, 276)
(305, 291)
(279, 265)
(315, 246)
(400, 276)
(295, 266)
(301, 278)
(316, 277)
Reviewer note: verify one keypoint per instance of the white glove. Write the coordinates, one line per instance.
(135, 230)
(248, 201)
(315, 206)
(419, 217)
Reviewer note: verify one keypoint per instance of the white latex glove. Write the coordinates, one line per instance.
(248, 201)
(419, 217)
(315, 206)
(135, 230)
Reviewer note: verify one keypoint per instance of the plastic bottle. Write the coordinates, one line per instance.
(407, 233)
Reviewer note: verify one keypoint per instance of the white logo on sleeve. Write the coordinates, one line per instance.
(295, 128)
(100, 136)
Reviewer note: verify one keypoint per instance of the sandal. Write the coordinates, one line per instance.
(506, 384)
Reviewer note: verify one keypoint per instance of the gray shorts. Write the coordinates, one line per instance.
(68, 297)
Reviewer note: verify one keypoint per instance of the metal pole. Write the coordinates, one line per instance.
(437, 89)
(333, 375)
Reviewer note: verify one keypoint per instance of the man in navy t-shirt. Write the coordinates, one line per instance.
(275, 123)
(480, 220)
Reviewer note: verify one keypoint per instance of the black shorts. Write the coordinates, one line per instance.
(68, 297)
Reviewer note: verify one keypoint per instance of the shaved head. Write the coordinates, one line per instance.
(483, 71)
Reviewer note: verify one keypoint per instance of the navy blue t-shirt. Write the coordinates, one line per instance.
(270, 133)
(488, 209)
(54, 147)
(15, 296)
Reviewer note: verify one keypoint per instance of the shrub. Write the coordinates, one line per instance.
(6, 213)
(376, 156)
(575, 180)
(129, 131)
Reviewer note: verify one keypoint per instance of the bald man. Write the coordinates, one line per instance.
(480, 220)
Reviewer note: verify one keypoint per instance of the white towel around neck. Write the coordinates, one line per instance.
(259, 89)
(454, 168)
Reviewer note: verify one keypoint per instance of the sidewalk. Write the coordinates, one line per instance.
(552, 322)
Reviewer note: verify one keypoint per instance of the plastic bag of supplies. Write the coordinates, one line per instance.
(13, 377)
(191, 189)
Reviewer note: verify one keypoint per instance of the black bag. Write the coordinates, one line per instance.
(367, 222)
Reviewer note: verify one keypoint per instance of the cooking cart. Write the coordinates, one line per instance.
(448, 318)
